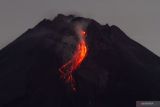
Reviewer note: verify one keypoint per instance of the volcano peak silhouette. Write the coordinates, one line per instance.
(115, 71)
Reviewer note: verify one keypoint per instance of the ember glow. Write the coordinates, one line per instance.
(68, 68)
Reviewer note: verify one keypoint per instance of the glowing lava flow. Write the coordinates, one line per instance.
(78, 56)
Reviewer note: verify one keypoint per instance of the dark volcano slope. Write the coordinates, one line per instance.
(116, 72)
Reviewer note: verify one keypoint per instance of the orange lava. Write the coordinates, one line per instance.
(68, 68)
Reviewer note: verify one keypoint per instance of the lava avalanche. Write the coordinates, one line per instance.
(68, 68)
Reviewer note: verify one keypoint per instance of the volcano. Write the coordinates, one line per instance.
(73, 61)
